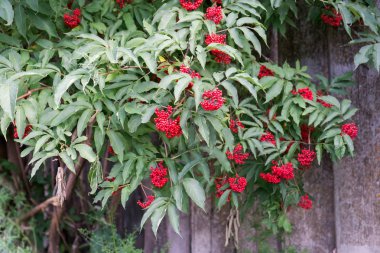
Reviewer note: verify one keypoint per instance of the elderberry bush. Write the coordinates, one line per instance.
(174, 92)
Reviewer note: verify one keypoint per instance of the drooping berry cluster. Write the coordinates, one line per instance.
(147, 203)
(158, 175)
(331, 17)
(220, 57)
(268, 137)
(350, 129)
(306, 157)
(27, 131)
(305, 202)
(285, 171)
(237, 184)
(264, 71)
(306, 93)
(235, 125)
(323, 103)
(212, 100)
(171, 127)
(72, 20)
(215, 14)
(190, 5)
(237, 154)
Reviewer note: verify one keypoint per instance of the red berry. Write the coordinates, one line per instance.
(305, 202)
(190, 5)
(147, 203)
(264, 71)
(158, 175)
(214, 14)
(212, 100)
(350, 129)
(237, 154)
(237, 184)
(306, 157)
(171, 127)
(268, 137)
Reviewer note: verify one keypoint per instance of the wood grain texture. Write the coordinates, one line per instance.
(313, 230)
(357, 179)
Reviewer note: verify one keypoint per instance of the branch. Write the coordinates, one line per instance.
(38, 208)
(31, 91)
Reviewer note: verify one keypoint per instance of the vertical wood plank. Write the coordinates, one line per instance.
(357, 179)
(314, 229)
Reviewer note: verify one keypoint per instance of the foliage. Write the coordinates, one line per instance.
(105, 239)
(103, 84)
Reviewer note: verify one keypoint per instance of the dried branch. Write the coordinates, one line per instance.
(53, 200)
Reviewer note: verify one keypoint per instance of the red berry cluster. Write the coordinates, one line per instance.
(164, 123)
(192, 73)
(158, 175)
(237, 184)
(306, 93)
(212, 100)
(27, 131)
(237, 154)
(72, 20)
(323, 103)
(217, 1)
(190, 5)
(306, 157)
(215, 14)
(331, 17)
(220, 57)
(122, 3)
(219, 183)
(147, 203)
(268, 137)
(350, 129)
(264, 71)
(305, 202)
(270, 178)
(284, 171)
(235, 125)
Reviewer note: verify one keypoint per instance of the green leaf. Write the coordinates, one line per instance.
(157, 217)
(167, 80)
(63, 85)
(232, 91)
(145, 118)
(319, 150)
(274, 91)
(177, 193)
(40, 142)
(117, 143)
(83, 121)
(188, 167)
(43, 24)
(203, 128)
(149, 61)
(33, 4)
(223, 199)
(6, 11)
(68, 112)
(8, 96)
(20, 20)
(331, 100)
(181, 86)
(67, 160)
(347, 139)
(173, 218)
(127, 169)
(86, 152)
(195, 191)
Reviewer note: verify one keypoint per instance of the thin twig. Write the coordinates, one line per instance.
(31, 91)
(38, 208)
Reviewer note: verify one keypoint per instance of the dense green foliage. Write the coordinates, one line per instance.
(99, 84)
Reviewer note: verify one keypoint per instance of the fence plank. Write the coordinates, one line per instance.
(357, 179)
(314, 229)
